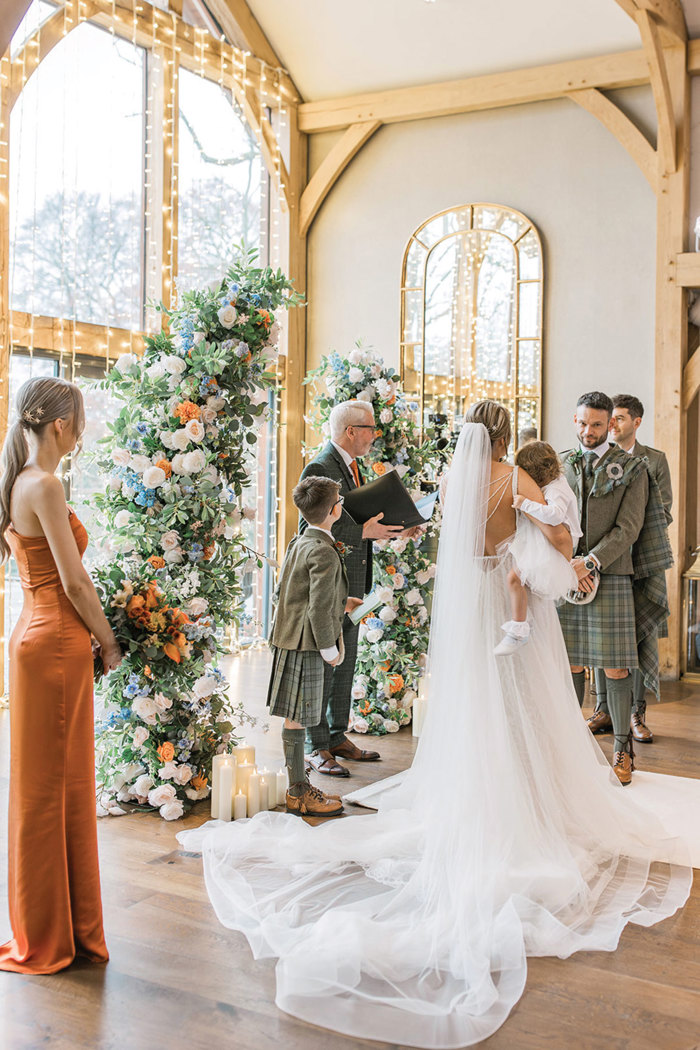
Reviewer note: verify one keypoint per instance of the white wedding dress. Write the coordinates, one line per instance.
(508, 837)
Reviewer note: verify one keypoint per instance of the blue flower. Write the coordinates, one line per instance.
(196, 552)
(130, 691)
(142, 428)
(133, 443)
(375, 624)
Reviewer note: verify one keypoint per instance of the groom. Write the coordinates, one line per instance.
(352, 434)
(624, 538)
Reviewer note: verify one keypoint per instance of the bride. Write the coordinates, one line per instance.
(508, 837)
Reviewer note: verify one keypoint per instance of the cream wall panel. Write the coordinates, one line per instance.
(552, 161)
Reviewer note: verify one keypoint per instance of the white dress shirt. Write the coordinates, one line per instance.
(347, 458)
(328, 654)
(599, 450)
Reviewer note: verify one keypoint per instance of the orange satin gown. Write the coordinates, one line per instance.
(54, 879)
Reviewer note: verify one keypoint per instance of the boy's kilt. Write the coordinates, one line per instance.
(296, 685)
(602, 633)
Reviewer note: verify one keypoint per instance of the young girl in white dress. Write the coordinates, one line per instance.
(538, 566)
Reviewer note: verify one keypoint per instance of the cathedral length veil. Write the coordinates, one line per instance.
(506, 838)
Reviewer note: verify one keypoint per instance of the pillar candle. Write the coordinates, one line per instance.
(243, 772)
(282, 779)
(240, 806)
(265, 790)
(245, 753)
(215, 767)
(420, 707)
(253, 794)
(226, 774)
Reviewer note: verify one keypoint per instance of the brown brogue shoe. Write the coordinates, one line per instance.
(641, 732)
(324, 762)
(599, 722)
(622, 767)
(313, 803)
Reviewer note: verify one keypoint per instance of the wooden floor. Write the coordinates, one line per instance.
(177, 979)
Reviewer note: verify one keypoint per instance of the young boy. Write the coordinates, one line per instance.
(306, 638)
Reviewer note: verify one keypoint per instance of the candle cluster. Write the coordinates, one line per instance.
(239, 789)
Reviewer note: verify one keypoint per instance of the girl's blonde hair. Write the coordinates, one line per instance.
(494, 417)
(40, 401)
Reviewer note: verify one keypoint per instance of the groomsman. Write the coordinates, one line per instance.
(628, 412)
(624, 536)
(352, 434)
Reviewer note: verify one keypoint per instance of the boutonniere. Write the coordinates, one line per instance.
(614, 471)
(342, 549)
(575, 457)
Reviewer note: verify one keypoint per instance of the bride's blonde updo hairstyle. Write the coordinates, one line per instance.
(40, 401)
(494, 417)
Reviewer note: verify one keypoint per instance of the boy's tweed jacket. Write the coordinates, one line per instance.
(660, 472)
(626, 530)
(358, 562)
(311, 595)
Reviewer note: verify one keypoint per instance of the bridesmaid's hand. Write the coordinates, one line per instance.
(112, 656)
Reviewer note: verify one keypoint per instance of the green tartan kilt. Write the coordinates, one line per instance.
(296, 686)
(602, 633)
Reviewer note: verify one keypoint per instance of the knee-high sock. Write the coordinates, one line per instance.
(293, 743)
(620, 707)
(639, 703)
(601, 688)
(579, 680)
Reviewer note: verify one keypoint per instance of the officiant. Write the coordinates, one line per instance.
(352, 434)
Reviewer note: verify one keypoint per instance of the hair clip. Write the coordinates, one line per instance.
(34, 416)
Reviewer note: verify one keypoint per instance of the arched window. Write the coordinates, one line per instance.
(471, 315)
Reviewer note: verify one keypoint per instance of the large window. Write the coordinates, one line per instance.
(471, 314)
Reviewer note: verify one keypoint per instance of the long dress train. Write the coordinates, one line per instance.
(509, 836)
(54, 881)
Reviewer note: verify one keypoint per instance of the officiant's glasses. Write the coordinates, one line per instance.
(340, 499)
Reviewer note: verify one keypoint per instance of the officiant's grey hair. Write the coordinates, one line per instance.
(350, 414)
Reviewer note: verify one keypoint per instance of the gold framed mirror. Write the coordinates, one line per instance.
(471, 316)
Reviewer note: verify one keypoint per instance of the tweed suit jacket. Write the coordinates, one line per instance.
(660, 472)
(311, 595)
(358, 560)
(614, 515)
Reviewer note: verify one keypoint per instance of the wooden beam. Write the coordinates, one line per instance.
(668, 14)
(687, 270)
(694, 57)
(626, 69)
(691, 380)
(241, 28)
(331, 169)
(625, 131)
(665, 116)
(5, 317)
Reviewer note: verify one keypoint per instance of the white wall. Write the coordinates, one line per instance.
(552, 161)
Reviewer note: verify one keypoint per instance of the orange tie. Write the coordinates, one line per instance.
(355, 472)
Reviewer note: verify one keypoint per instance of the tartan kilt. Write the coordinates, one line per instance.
(296, 686)
(602, 633)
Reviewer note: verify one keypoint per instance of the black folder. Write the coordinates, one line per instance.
(389, 496)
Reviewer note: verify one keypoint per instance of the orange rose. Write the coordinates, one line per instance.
(179, 618)
(165, 466)
(391, 569)
(148, 672)
(151, 599)
(391, 400)
(166, 752)
(186, 411)
(156, 561)
(395, 683)
(379, 469)
(377, 433)
(209, 552)
(136, 606)
(172, 652)
(365, 709)
(264, 318)
(199, 782)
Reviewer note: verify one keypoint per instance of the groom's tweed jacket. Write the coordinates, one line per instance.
(660, 472)
(358, 559)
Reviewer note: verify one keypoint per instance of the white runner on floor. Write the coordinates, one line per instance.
(673, 800)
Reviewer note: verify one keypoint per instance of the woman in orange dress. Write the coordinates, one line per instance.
(54, 882)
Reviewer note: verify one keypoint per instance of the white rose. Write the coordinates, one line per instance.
(422, 615)
(387, 614)
(194, 430)
(413, 597)
(359, 692)
(143, 785)
(356, 375)
(156, 370)
(166, 438)
(121, 457)
(184, 774)
(208, 414)
(385, 594)
(399, 546)
(126, 363)
(216, 402)
(162, 702)
(140, 736)
(230, 531)
(153, 477)
(168, 771)
(385, 389)
(408, 697)
(204, 686)
(360, 725)
(196, 795)
(161, 795)
(122, 519)
(355, 357)
(145, 709)
(386, 415)
(174, 557)
(169, 540)
(172, 810)
(180, 439)
(193, 462)
(197, 606)
(398, 581)
(178, 463)
(198, 338)
(227, 316)
(422, 577)
(115, 484)
(391, 726)
(174, 365)
(374, 634)
(140, 463)
(368, 394)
